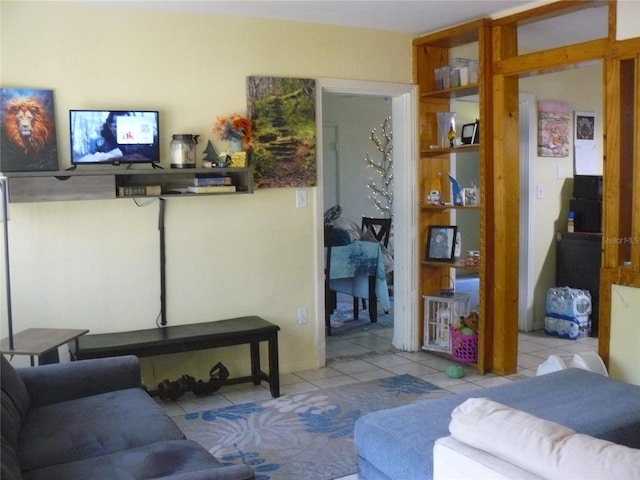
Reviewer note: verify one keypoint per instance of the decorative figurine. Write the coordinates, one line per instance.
(210, 154)
(451, 135)
(457, 191)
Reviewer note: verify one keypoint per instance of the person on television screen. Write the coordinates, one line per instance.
(108, 147)
(108, 140)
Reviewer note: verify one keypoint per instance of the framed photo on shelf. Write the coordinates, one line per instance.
(441, 243)
(470, 134)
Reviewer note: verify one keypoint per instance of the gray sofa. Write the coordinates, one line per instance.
(398, 443)
(90, 419)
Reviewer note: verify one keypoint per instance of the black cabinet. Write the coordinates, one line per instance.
(578, 257)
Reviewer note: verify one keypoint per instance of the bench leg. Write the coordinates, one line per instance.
(255, 362)
(274, 368)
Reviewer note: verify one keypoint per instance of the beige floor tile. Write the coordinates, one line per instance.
(415, 369)
(388, 360)
(352, 366)
(300, 387)
(338, 381)
(493, 381)
(313, 375)
(372, 375)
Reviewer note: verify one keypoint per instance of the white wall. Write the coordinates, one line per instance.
(355, 117)
(625, 334)
(628, 16)
(95, 264)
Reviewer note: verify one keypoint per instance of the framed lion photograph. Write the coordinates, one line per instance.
(28, 130)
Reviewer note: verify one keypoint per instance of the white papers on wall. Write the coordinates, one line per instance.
(585, 152)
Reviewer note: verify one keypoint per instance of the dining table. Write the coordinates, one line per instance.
(353, 265)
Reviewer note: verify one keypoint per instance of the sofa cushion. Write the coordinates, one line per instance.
(60, 382)
(10, 468)
(155, 460)
(92, 426)
(14, 402)
(544, 448)
(14, 387)
(10, 420)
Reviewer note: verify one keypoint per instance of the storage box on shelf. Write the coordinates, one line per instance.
(89, 184)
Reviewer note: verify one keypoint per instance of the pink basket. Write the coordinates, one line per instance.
(465, 347)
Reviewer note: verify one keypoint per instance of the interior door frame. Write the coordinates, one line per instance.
(526, 257)
(404, 113)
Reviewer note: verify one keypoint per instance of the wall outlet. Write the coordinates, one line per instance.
(302, 316)
(301, 199)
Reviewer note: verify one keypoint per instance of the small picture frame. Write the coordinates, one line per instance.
(466, 136)
(471, 197)
(470, 134)
(441, 243)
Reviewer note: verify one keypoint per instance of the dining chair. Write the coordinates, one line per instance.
(329, 295)
(380, 228)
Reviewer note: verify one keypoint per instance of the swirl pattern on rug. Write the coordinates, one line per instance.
(307, 435)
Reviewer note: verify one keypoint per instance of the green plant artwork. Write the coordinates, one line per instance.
(283, 113)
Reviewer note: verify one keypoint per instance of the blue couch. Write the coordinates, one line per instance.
(397, 444)
(92, 420)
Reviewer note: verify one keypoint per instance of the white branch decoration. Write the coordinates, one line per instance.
(381, 195)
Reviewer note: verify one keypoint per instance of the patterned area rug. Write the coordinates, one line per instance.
(308, 435)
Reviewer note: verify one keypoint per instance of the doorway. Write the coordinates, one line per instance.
(403, 99)
(352, 184)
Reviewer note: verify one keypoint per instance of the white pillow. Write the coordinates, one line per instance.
(544, 448)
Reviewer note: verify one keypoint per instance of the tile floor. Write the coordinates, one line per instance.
(364, 356)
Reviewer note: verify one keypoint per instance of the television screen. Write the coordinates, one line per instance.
(122, 136)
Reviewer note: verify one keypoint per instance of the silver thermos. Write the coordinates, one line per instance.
(183, 150)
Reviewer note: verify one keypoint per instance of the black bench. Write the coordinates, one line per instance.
(185, 338)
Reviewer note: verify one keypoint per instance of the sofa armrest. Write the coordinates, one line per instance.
(60, 382)
(231, 472)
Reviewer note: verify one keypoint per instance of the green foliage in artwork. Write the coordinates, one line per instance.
(284, 152)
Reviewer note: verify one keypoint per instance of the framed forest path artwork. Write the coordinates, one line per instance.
(283, 114)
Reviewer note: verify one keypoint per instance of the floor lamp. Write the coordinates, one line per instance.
(4, 191)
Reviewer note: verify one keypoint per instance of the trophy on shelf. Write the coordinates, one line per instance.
(446, 129)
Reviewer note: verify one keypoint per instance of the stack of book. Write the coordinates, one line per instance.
(139, 191)
(211, 185)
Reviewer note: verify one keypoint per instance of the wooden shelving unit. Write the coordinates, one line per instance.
(101, 184)
(431, 52)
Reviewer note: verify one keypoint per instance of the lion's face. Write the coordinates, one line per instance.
(28, 125)
(24, 122)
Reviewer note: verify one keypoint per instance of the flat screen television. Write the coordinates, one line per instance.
(114, 136)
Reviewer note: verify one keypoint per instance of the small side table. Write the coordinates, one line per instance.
(41, 342)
